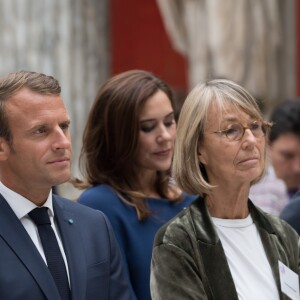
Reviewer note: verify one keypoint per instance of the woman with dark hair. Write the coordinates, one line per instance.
(126, 157)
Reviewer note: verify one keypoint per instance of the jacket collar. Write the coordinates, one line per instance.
(213, 258)
(204, 227)
(15, 235)
(69, 228)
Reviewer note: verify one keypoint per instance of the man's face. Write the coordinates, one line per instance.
(285, 157)
(40, 155)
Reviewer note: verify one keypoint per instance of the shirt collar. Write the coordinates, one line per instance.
(21, 205)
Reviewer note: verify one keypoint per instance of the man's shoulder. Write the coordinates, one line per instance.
(72, 207)
(296, 196)
(292, 208)
(291, 213)
(278, 226)
(294, 205)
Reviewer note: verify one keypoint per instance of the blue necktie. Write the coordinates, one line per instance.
(52, 252)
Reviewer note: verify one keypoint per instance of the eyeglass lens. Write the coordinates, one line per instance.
(237, 131)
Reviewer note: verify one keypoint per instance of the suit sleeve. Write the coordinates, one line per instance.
(174, 275)
(108, 203)
(122, 247)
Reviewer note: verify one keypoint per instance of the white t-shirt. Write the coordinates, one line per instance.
(248, 263)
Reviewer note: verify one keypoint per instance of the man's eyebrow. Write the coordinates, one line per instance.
(68, 121)
(38, 125)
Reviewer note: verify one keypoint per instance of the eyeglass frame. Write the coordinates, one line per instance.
(265, 126)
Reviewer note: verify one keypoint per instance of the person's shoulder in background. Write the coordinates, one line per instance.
(291, 213)
(99, 196)
(188, 198)
(270, 193)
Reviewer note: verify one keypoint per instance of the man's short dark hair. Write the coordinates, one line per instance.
(13, 82)
(285, 119)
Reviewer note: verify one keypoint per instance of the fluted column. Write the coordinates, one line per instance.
(64, 38)
(248, 41)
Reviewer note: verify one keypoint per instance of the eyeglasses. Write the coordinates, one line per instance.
(235, 132)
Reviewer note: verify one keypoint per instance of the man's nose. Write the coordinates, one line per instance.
(62, 139)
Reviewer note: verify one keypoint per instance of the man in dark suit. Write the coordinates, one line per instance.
(35, 155)
(291, 213)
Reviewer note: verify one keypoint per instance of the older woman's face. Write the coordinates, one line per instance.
(228, 160)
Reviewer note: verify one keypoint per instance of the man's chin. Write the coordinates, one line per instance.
(62, 179)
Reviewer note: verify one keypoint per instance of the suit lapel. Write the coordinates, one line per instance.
(69, 228)
(15, 235)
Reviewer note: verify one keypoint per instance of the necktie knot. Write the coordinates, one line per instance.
(40, 216)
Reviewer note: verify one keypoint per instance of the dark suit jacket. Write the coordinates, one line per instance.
(92, 253)
(291, 212)
(189, 262)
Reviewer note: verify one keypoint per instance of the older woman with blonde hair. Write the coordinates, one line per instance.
(222, 246)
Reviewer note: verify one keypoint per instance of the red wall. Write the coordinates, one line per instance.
(139, 41)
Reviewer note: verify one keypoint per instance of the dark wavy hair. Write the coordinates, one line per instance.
(111, 135)
(285, 119)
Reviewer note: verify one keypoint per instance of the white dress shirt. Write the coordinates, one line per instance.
(21, 207)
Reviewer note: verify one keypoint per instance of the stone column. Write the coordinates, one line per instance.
(64, 38)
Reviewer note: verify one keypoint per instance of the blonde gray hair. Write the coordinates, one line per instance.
(189, 174)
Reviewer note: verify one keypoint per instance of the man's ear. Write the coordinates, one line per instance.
(4, 149)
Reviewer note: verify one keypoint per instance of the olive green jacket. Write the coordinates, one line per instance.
(188, 260)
